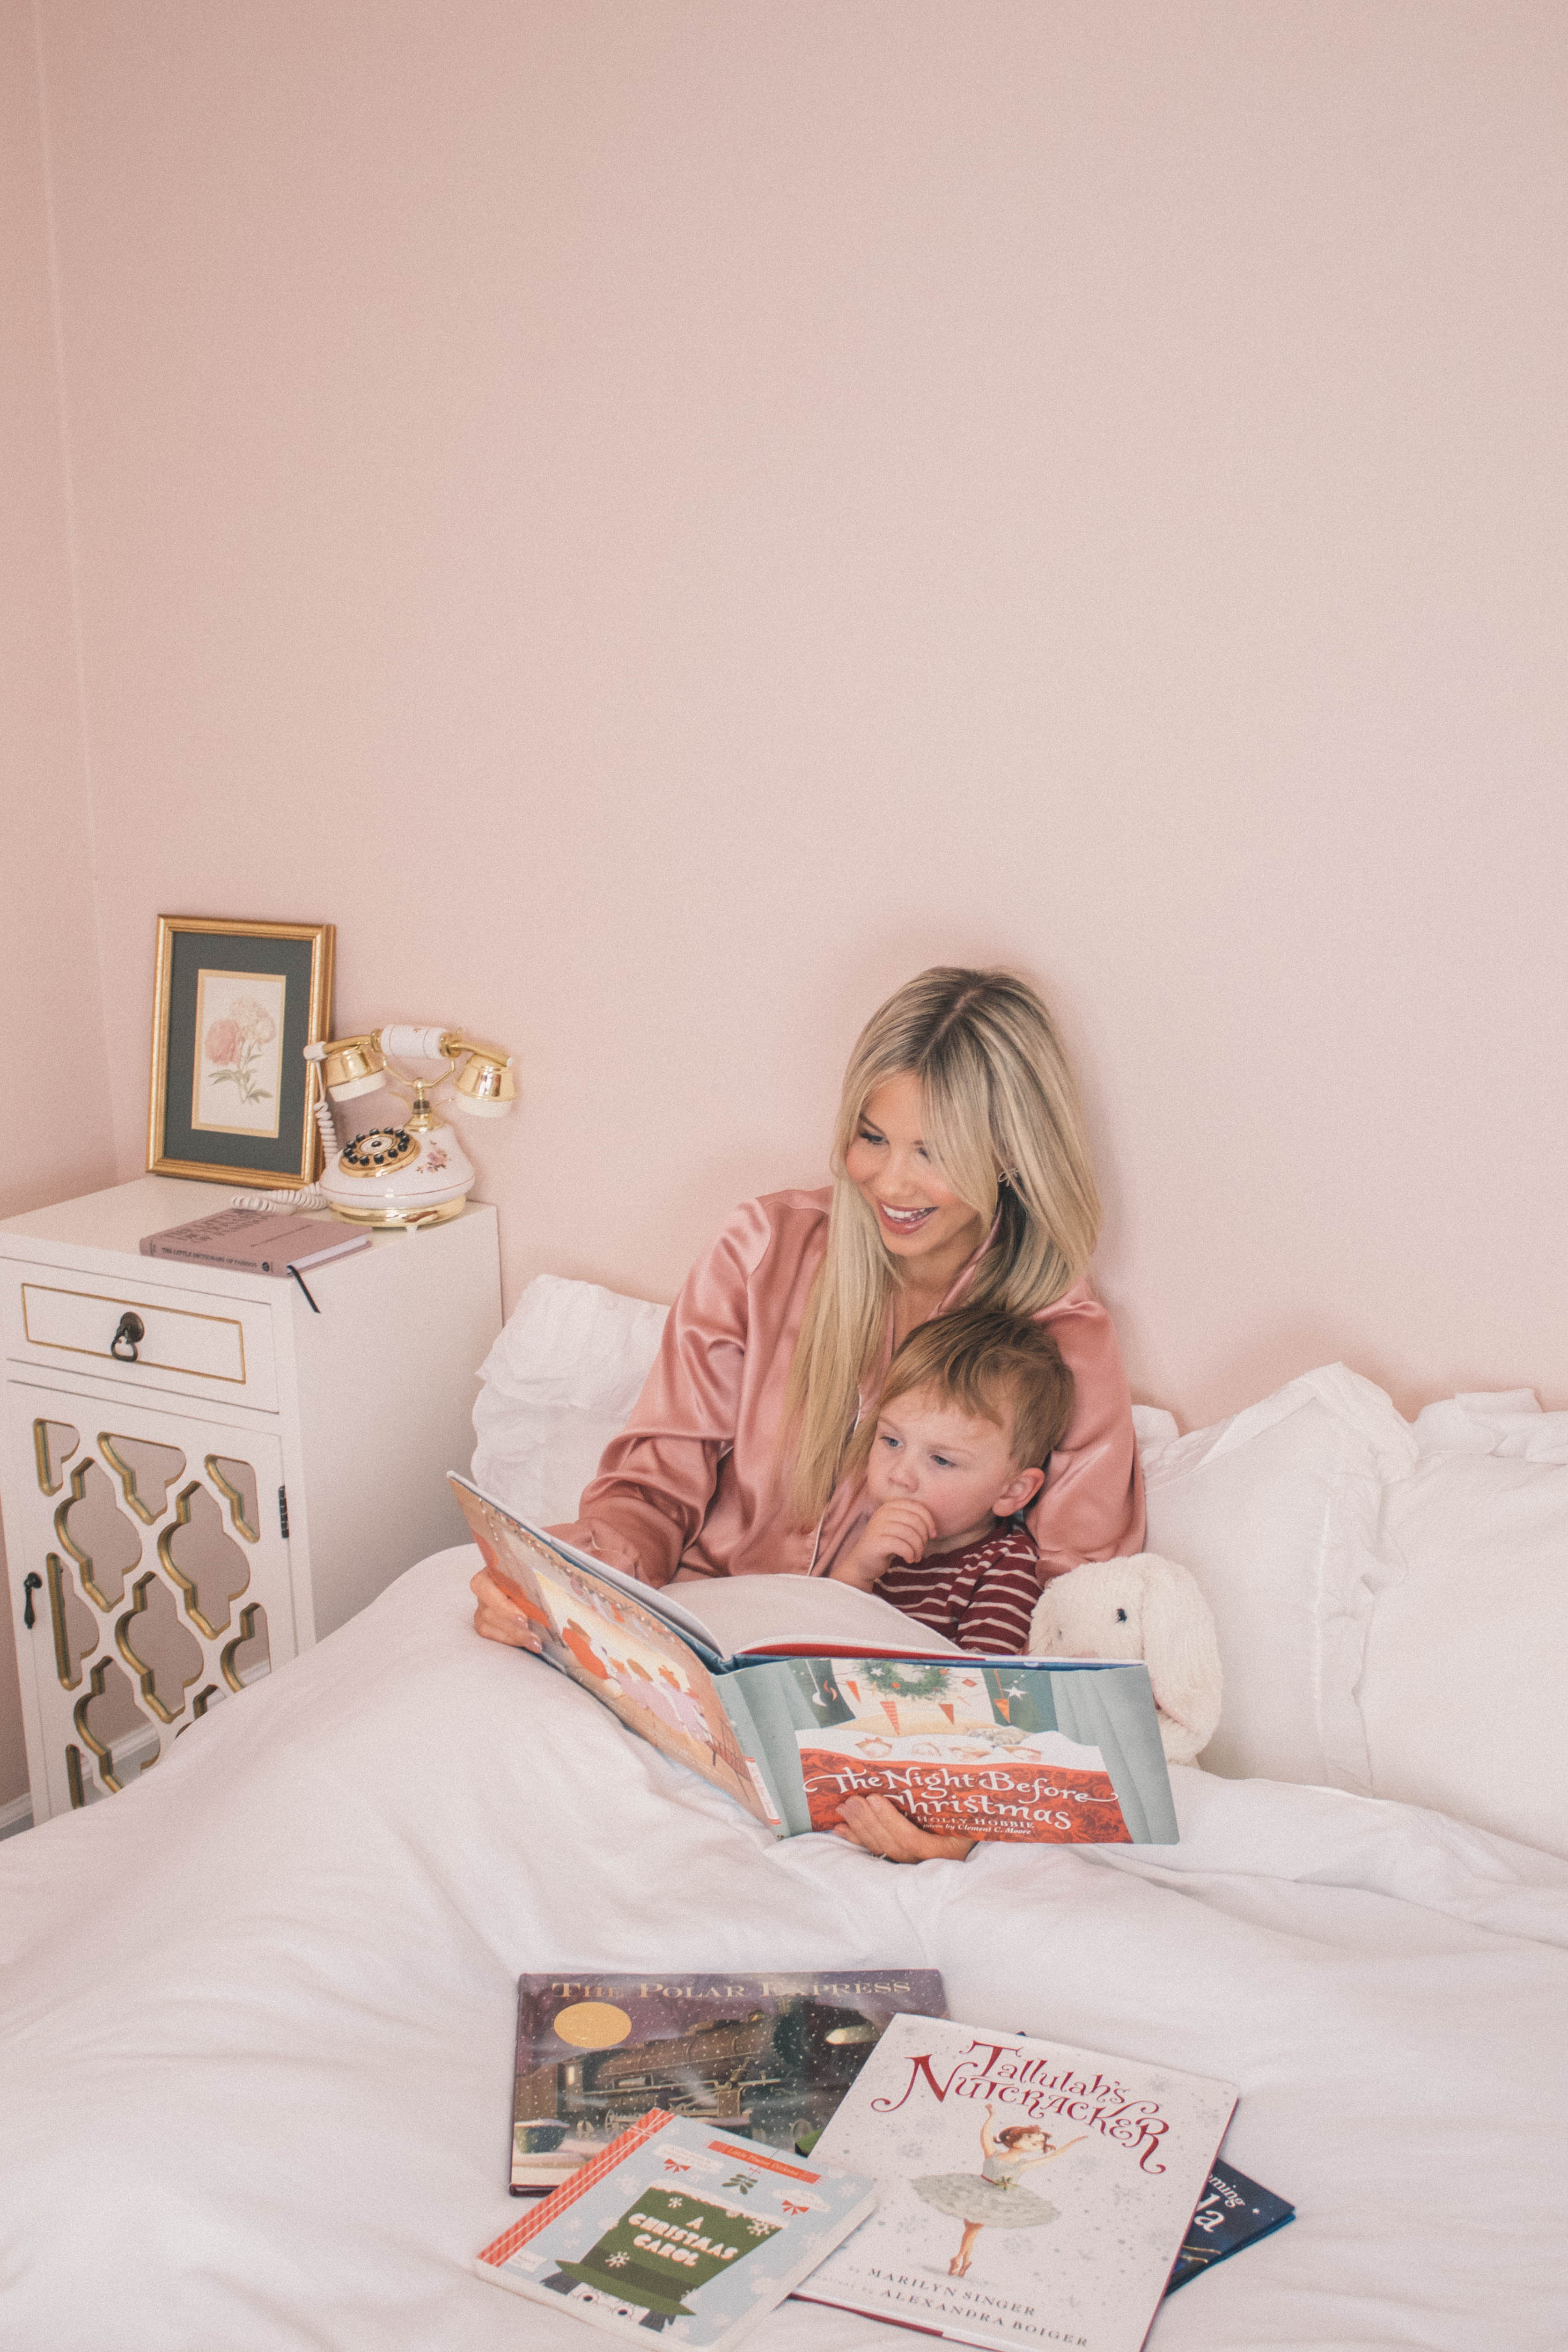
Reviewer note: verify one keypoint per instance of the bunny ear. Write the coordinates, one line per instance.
(1180, 1649)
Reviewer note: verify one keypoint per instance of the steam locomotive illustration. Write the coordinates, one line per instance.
(774, 2074)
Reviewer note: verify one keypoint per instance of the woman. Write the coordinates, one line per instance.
(960, 1172)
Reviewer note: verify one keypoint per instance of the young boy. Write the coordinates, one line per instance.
(973, 1404)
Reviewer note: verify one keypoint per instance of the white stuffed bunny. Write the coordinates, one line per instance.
(1146, 1608)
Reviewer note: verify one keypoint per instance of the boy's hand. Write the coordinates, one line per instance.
(898, 1531)
(878, 1826)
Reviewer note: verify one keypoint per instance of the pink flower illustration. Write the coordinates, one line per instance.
(223, 1044)
(233, 1043)
(252, 1021)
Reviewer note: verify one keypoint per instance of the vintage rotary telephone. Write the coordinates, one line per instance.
(418, 1173)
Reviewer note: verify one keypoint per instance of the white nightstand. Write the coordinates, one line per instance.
(178, 1523)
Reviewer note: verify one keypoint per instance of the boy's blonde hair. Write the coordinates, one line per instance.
(991, 1367)
(1005, 1128)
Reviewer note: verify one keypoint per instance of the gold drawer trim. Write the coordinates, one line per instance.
(137, 1307)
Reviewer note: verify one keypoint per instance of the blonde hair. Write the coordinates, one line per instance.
(1005, 1128)
(1004, 1369)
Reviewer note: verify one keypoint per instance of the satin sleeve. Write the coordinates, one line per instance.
(1091, 1504)
(656, 1480)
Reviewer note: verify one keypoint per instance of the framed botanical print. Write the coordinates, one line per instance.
(233, 1006)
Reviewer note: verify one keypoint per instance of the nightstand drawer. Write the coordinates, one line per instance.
(220, 1346)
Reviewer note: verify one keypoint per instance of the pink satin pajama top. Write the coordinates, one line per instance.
(691, 1482)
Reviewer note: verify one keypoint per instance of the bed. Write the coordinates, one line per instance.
(258, 2012)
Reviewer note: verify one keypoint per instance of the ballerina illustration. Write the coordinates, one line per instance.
(993, 2196)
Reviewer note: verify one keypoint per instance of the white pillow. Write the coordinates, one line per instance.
(1507, 1423)
(1276, 1513)
(559, 1384)
(1461, 1695)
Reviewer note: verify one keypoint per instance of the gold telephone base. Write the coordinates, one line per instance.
(407, 1218)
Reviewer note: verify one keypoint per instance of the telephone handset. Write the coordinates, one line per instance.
(417, 1174)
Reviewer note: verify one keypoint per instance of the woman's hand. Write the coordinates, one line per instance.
(878, 1826)
(497, 1618)
(899, 1530)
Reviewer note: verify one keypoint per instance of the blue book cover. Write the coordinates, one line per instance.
(1231, 2213)
(675, 2228)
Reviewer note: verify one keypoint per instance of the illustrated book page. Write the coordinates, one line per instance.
(536, 1544)
(673, 2225)
(775, 1616)
(766, 2058)
(732, 1617)
(1024, 1750)
(604, 1631)
(1032, 2194)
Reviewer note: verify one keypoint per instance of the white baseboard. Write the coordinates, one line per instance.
(15, 1817)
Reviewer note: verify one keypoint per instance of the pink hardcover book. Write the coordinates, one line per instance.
(255, 1241)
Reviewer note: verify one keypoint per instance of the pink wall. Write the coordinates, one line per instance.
(49, 975)
(661, 520)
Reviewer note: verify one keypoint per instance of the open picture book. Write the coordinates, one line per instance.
(792, 1693)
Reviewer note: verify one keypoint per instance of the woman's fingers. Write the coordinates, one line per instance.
(877, 1826)
(496, 1619)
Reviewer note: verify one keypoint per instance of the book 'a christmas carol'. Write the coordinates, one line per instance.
(674, 2226)
(1032, 2194)
(796, 1695)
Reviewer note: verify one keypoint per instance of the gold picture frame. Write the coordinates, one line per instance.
(233, 1098)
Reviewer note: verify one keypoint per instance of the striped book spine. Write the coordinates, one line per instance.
(501, 2249)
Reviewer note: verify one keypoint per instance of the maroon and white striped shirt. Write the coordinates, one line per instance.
(982, 1597)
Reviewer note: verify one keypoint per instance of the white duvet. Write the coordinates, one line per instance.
(259, 2012)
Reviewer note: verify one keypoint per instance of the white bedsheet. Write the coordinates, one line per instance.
(259, 2012)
